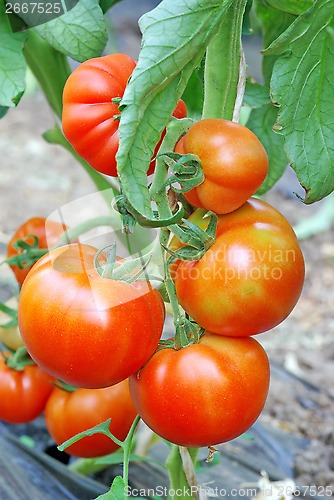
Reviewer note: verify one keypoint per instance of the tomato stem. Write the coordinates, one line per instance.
(175, 129)
(74, 232)
(170, 288)
(127, 445)
(224, 72)
(111, 262)
(50, 67)
(10, 312)
(180, 466)
(64, 386)
(86, 466)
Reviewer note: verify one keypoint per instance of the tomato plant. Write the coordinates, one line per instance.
(90, 118)
(84, 329)
(251, 277)
(235, 280)
(234, 163)
(205, 393)
(23, 392)
(68, 413)
(47, 232)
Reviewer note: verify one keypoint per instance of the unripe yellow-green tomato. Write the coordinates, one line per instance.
(11, 336)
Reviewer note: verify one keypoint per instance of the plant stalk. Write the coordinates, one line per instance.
(50, 68)
(223, 66)
(127, 446)
(180, 481)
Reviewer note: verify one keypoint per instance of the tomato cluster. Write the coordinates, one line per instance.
(79, 327)
(103, 335)
(247, 282)
(29, 391)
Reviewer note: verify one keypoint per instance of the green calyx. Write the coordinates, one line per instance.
(12, 313)
(128, 271)
(64, 386)
(196, 241)
(187, 332)
(28, 254)
(18, 360)
(186, 170)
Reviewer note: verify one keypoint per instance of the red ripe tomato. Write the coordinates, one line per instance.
(84, 329)
(24, 393)
(90, 118)
(48, 233)
(203, 394)
(68, 413)
(234, 164)
(250, 279)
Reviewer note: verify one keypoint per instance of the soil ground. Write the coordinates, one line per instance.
(37, 178)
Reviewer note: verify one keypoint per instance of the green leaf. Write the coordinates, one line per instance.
(224, 67)
(32, 14)
(247, 28)
(80, 33)
(194, 92)
(273, 23)
(295, 7)
(116, 492)
(256, 95)
(303, 86)
(12, 64)
(16, 23)
(174, 41)
(261, 122)
(3, 111)
(107, 4)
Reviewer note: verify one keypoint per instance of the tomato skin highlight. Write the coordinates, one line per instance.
(48, 233)
(250, 279)
(234, 164)
(24, 393)
(203, 394)
(68, 413)
(82, 328)
(90, 119)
